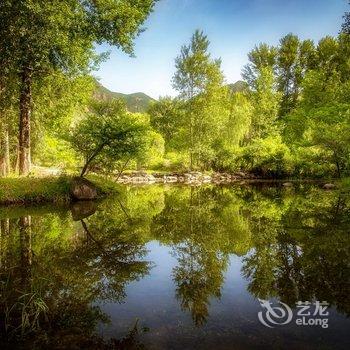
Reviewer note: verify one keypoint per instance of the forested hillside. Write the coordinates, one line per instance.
(136, 102)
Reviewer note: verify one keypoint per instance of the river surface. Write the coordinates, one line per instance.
(179, 267)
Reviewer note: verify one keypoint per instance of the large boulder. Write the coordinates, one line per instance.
(82, 189)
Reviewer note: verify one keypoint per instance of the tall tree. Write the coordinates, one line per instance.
(8, 90)
(294, 58)
(41, 35)
(345, 28)
(262, 56)
(265, 101)
(167, 118)
(321, 123)
(199, 79)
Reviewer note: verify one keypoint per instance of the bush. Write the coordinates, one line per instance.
(267, 157)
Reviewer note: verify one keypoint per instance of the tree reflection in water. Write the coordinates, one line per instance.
(294, 245)
(51, 277)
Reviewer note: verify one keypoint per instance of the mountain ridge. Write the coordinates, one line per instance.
(136, 102)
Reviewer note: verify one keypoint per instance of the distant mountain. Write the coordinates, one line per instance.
(137, 102)
(238, 86)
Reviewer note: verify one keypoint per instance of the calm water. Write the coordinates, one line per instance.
(177, 268)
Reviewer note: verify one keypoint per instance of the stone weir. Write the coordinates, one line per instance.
(193, 177)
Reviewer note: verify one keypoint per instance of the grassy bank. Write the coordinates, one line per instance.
(344, 184)
(46, 189)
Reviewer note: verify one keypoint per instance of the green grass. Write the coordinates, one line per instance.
(105, 186)
(22, 190)
(345, 184)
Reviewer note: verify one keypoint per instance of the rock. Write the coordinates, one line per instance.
(288, 184)
(82, 189)
(138, 179)
(83, 209)
(329, 186)
(241, 174)
(170, 179)
(150, 178)
(206, 179)
(158, 175)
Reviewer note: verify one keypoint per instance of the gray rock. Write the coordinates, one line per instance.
(240, 174)
(171, 179)
(206, 179)
(82, 189)
(329, 186)
(288, 184)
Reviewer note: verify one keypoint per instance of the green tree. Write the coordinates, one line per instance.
(167, 118)
(199, 79)
(262, 56)
(321, 122)
(294, 58)
(107, 134)
(265, 101)
(345, 28)
(41, 36)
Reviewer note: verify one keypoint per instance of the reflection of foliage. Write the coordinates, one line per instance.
(49, 279)
(198, 276)
(303, 253)
(295, 245)
(203, 225)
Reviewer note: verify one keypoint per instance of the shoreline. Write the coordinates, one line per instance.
(57, 190)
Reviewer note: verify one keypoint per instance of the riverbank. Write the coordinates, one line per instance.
(23, 190)
(27, 190)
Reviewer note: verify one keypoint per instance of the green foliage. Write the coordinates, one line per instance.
(199, 81)
(45, 40)
(267, 157)
(322, 119)
(345, 28)
(265, 101)
(261, 57)
(107, 134)
(55, 152)
(289, 117)
(167, 118)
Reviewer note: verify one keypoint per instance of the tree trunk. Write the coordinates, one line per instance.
(25, 106)
(5, 167)
(91, 158)
(26, 251)
(336, 160)
(338, 169)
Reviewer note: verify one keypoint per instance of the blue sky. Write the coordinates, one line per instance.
(233, 27)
